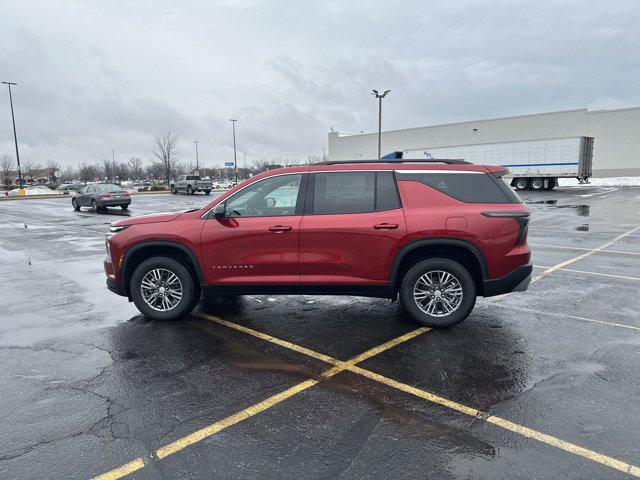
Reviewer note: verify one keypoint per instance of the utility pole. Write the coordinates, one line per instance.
(380, 96)
(15, 139)
(113, 156)
(235, 163)
(246, 173)
(197, 159)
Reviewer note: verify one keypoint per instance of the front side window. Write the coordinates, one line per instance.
(354, 192)
(271, 197)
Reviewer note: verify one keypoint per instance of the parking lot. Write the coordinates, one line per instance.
(541, 384)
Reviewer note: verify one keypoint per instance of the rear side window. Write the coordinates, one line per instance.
(465, 187)
(353, 192)
(193, 177)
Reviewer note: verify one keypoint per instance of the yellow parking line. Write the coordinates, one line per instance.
(574, 317)
(501, 422)
(580, 249)
(584, 255)
(248, 412)
(122, 471)
(592, 273)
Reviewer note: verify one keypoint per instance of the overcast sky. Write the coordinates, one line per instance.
(96, 76)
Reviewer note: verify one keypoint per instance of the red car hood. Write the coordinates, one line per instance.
(150, 218)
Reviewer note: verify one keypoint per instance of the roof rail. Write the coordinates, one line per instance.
(448, 161)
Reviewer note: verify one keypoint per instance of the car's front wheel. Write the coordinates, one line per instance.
(163, 289)
(173, 189)
(75, 205)
(189, 189)
(438, 292)
(207, 192)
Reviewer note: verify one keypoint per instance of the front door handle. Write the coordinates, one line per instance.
(386, 226)
(280, 228)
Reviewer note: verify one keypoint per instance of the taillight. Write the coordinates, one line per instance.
(105, 195)
(126, 194)
(520, 216)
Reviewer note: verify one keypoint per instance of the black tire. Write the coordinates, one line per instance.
(124, 207)
(207, 192)
(521, 183)
(459, 273)
(173, 189)
(552, 182)
(75, 205)
(94, 205)
(189, 190)
(537, 184)
(190, 293)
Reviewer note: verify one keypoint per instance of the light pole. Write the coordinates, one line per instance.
(15, 138)
(380, 96)
(235, 163)
(197, 159)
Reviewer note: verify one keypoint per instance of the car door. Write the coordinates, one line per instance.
(257, 240)
(85, 196)
(352, 228)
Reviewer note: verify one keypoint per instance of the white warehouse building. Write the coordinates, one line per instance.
(616, 133)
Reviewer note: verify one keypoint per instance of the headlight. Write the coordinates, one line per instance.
(115, 229)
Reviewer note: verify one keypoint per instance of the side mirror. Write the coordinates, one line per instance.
(219, 211)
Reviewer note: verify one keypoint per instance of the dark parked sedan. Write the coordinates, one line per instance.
(101, 196)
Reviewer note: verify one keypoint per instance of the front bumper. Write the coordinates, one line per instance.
(116, 287)
(516, 281)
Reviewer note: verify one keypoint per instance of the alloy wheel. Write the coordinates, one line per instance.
(161, 289)
(438, 293)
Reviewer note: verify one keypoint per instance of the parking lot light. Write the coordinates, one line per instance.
(380, 96)
(15, 139)
(235, 160)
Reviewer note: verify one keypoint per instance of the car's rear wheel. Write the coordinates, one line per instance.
(189, 190)
(173, 189)
(438, 292)
(163, 289)
(75, 205)
(124, 207)
(94, 205)
(521, 184)
(207, 192)
(537, 184)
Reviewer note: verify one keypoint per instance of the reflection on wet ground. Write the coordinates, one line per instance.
(83, 383)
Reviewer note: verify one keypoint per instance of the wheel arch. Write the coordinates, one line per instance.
(140, 252)
(462, 251)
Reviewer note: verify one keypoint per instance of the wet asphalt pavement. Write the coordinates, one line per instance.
(89, 385)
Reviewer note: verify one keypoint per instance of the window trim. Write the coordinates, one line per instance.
(311, 186)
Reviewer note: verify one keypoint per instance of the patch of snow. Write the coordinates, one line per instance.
(603, 182)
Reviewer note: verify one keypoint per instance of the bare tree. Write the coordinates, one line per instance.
(31, 169)
(68, 174)
(6, 164)
(135, 168)
(88, 172)
(52, 168)
(166, 150)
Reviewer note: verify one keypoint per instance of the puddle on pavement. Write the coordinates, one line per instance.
(581, 210)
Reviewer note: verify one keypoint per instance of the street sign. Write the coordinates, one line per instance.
(228, 164)
(57, 173)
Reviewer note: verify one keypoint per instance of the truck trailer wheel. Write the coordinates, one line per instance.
(551, 184)
(537, 184)
(521, 183)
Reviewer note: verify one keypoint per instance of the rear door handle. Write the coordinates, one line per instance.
(386, 226)
(280, 228)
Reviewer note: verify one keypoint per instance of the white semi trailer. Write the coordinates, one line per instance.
(532, 164)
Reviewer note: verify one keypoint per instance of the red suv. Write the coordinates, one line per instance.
(436, 234)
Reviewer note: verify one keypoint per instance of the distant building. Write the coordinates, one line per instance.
(616, 137)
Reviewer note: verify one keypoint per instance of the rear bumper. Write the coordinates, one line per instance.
(116, 287)
(516, 281)
(114, 202)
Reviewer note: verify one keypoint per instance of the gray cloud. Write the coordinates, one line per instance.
(100, 75)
